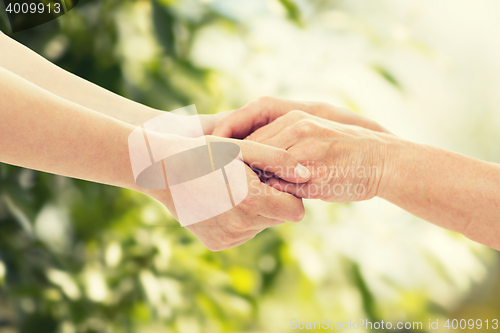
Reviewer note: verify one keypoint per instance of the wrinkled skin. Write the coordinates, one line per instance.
(347, 162)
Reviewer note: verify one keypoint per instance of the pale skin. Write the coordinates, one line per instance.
(52, 127)
(451, 190)
(48, 114)
(27, 64)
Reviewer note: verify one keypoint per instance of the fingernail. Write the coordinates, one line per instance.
(301, 171)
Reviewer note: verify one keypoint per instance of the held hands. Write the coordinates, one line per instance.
(343, 150)
(353, 158)
(263, 207)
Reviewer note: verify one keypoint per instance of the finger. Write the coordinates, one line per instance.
(275, 160)
(263, 175)
(255, 114)
(240, 123)
(243, 223)
(218, 235)
(284, 140)
(274, 128)
(262, 222)
(282, 206)
(243, 241)
(268, 131)
(298, 190)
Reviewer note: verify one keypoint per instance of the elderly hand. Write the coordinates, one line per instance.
(260, 112)
(347, 162)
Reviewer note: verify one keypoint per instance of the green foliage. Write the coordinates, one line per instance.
(111, 260)
(84, 257)
(293, 11)
(388, 76)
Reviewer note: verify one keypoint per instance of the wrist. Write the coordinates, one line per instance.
(397, 159)
(152, 166)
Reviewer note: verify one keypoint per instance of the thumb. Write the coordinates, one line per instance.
(240, 123)
(236, 125)
(223, 130)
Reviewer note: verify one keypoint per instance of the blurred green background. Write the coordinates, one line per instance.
(82, 257)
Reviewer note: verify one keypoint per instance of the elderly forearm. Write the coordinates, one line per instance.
(34, 68)
(448, 189)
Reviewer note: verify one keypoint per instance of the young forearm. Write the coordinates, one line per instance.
(44, 132)
(448, 189)
(22, 61)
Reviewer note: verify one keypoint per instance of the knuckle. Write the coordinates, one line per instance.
(239, 224)
(225, 239)
(297, 114)
(304, 128)
(264, 100)
(249, 202)
(298, 215)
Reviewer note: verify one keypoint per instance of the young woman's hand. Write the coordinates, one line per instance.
(262, 207)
